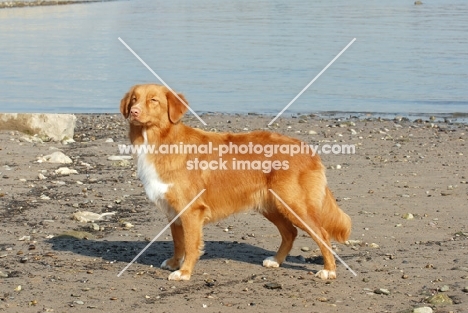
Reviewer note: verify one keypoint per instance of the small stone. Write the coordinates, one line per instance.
(78, 302)
(86, 216)
(312, 132)
(444, 288)
(424, 309)
(127, 225)
(305, 249)
(25, 238)
(56, 157)
(44, 197)
(3, 275)
(67, 141)
(109, 140)
(439, 299)
(353, 242)
(65, 171)
(374, 245)
(338, 167)
(273, 286)
(94, 226)
(382, 291)
(24, 259)
(41, 176)
(18, 288)
(465, 289)
(408, 216)
(119, 157)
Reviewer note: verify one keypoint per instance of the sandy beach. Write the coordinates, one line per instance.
(404, 188)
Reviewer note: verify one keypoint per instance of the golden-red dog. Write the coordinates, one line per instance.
(172, 180)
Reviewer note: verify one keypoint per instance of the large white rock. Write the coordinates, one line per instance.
(55, 126)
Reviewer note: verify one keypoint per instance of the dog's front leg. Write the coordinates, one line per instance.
(192, 224)
(175, 262)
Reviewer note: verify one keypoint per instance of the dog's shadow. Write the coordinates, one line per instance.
(125, 251)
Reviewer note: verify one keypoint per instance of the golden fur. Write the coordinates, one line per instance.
(154, 115)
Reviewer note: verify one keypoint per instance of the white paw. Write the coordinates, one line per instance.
(270, 262)
(326, 274)
(165, 266)
(177, 275)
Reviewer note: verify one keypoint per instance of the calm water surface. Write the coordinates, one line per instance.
(238, 56)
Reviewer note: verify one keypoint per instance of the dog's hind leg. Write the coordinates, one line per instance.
(192, 224)
(311, 225)
(175, 262)
(288, 234)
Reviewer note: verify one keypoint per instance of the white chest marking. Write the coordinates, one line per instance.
(155, 188)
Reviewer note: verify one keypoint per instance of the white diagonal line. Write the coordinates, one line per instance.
(161, 80)
(161, 232)
(312, 81)
(310, 229)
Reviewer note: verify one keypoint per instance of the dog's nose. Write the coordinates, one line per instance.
(135, 112)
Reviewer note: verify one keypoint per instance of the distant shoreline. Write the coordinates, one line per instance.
(35, 3)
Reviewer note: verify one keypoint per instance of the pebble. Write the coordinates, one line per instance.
(56, 157)
(439, 299)
(374, 245)
(444, 288)
(41, 176)
(67, 141)
(24, 260)
(424, 309)
(18, 288)
(94, 226)
(305, 249)
(465, 289)
(78, 302)
(127, 225)
(119, 157)
(353, 242)
(382, 291)
(86, 216)
(64, 171)
(3, 275)
(312, 132)
(273, 286)
(109, 140)
(408, 216)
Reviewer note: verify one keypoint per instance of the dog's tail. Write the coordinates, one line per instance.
(336, 222)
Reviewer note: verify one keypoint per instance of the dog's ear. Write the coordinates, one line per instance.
(125, 103)
(175, 106)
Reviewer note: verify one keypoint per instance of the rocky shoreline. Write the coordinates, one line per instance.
(405, 189)
(35, 3)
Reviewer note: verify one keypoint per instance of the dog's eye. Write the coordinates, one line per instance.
(154, 100)
(133, 99)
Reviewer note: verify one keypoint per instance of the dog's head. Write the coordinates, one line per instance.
(152, 105)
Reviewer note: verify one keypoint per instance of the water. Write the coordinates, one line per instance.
(238, 56)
